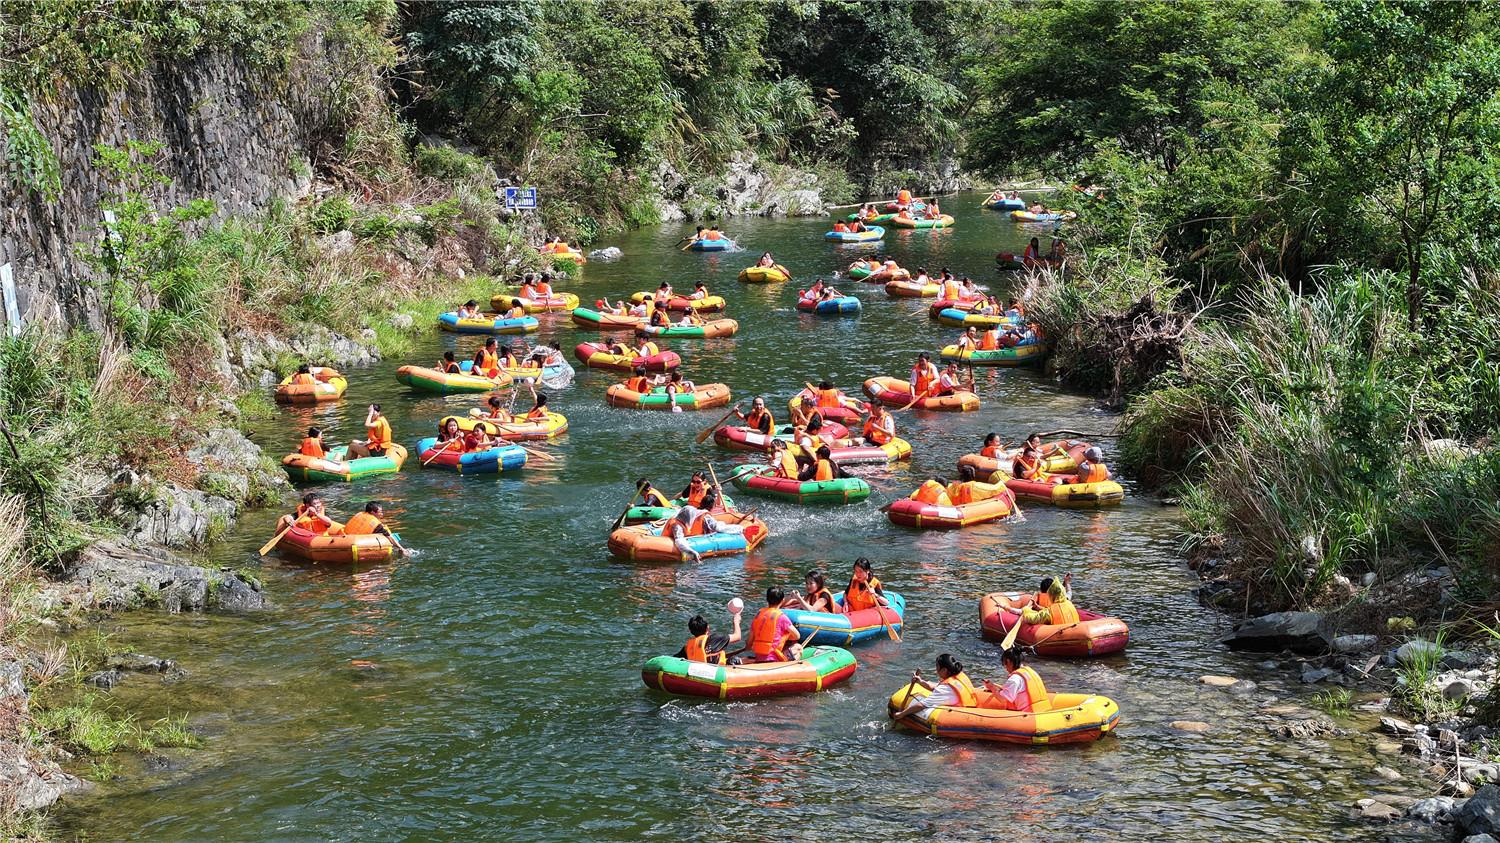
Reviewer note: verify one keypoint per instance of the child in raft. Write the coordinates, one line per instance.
(952, 690)
(782, 460)
(817, 599)
(766, 261)
(650, 495)
(538, 411)
(690, 317)
(822, 467)
(468, 310)
(865, 590)
(711, 647)
(700, 292)
(692, 521)
(880, 426)
(677, 385)
(773, 637)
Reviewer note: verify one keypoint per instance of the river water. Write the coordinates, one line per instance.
(489, 687)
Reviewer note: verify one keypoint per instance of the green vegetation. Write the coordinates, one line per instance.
(1334, 702)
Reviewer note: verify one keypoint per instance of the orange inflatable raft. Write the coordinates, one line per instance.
(1092, 635)
(327, 385)
(897, 393)
(645, 542)
(314, 547)
(1061, 456)
(931, 516)
(1066, 718)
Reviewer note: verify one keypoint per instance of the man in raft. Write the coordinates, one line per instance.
(953, 689)
(773, 637)
(1092, 469)
(711, 647)
(759, 417)
(880, 426)
(310, 517)
(822, 467)
(692, 521)
(312, 445)
(487, 359)
(304, 376)
(923, 377)
(699, 293)
(377, 435)
(1055, 607)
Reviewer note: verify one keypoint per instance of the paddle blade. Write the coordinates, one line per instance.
(266, 548)
(1010, 637)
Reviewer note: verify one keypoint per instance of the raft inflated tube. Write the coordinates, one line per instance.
(682, 304)
(760, 480)
(588, 318)
(860, 454)
(819, 669)
(943, 304)
(841, 414)
(711, 329)
(723, 244)
(488, 324)
(703, 397)
(644, 514)
(942, 221)
(741, 438)
(489, 461)
(869, 235)
(1072, 718)
(880, 276)
(829, 307)
(1092, 634)
(554, 303)
(1058, 216)
(1062, 456)
(930, 516)
(645, 542)
(520, 430)
(327, 385)
(867, 220)
(431, 380)
(1021, 354)
(764, 274)
(306, 545)
(857, 627)
(897, 393)
(1006, 204)
(906, 288)
(955, 317)
(335, 465)
(596, 355)
(563, 251)
(1058, 490)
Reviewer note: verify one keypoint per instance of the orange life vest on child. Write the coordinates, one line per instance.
(1037, 691)
(828, 398)
(824, 471)
(857, 597)
(990, 339)
(763, 634)
(312, 448)
(991, 451)
(303, 378)
(875, 433)
(639, 383)
(1063, 612)
(962, 688)
(543, 290)
(1094, 473)
(788, 465)
(1026, 469)
(362, 524)
(931, 492)
(697, 651)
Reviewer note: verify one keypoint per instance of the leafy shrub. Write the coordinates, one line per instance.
(332, 214)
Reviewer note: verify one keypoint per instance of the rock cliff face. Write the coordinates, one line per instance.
(231, 133)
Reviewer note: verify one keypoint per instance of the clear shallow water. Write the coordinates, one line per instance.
(489, 687)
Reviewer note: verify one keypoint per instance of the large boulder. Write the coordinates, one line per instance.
(1300, 632)
(120, 576)
(1481, 814)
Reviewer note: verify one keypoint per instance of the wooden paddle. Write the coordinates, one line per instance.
(531, 452)
(906, 699)
(924, 394)
(707, 432)
(890, 628)
(626, 511)
(266, 548)
(1010, 635)
(447, 446)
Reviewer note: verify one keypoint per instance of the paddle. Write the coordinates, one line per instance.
(625, 511)
(447, 446)
(1010, 635)
(906, 699)
(890, 628)
(924, 394)
(531, 452)
(1036, 644)
(708, 431)
(266, 548)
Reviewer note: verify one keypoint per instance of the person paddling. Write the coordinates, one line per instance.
(953, 689)
(1023, 689)
(759, 417)
(865, 590)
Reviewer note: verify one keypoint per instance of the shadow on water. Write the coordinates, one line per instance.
(490, 685)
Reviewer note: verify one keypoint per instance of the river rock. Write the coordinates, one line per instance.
(1217, 681)
(1221, 594)
(1374, 809)
(106, 679)
(1481, 773)
(1458, 689)
(1396, 726)
(1300, 632)
(139, 662)
(1387, 773)
(1189, 725)
(166, 514)
(608, 253)
(1481, 814)
(120, 576)
(1415, 649)
(1350, 644)
(1314, 675)
(402, 321)
(1432, 809)
(1311, 726)
(1480, 838)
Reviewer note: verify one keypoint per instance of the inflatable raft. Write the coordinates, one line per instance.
(723, 244)
(942, 221)
(829, 307)
(906, 288)
(596, 355)
(1062, 456)
(302, 544)
(862, 454)
(1093, 635)
(556, 302)
(708, 330)
(841, 414)
(682, 304)
(490, 461)
(562, 251)
(943, 304)
(819, 669)
(842, 630)
(869, 235)
(585, 317)
(333, 465)
(1059, 490)
(1070, 718)
(926, 516)
(328, 385)
(642, 513)
(1006, 204)
(741, 438)
(488, 325)
(703, 397)
(955, 317)
(873, 219)
(764, 274)
(879, 276)
(645, 542)
(897, 393)
(760, 480)
(1051, 216)
(520, 430)
(1031, 351)
(431, 380)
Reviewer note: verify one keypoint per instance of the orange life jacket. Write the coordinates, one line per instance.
(931, 492)
(950, 290)
(960, 493)
(991, 451)
(1026, 469)
(813, 597)
(696, 497)
(362, 524)
(311, 521)
(875, 433)
(857, 596)
(788, 465)
(1037, 691)
(840, 227)
(537, 414)
(697, 651)
(904, 196)
(824, 471)
(693, 529)
(379, 434)
(543, 290)
(962, 688)
(755, 417)
(1063, 611)
(639, 383)
(990, 339)
(489, 362)
(1042, 599)
(303, 378)
(828, 398)
(763, 634)
(925, 375)
(527, 292)
(312, 447)
(1095, 473)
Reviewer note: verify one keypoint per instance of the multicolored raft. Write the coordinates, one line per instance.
(897, 393)
(334, 465)
(1093, 635)
(820, 668)
(489, 461)
(856, 627)
(306, 545)
(761, 480)
(646, 543)
(1068, 718)
(327, 385)
(702, 397)
(488, 324)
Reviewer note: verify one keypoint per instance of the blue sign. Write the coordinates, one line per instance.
(520, 198)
